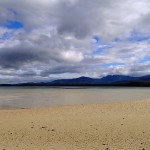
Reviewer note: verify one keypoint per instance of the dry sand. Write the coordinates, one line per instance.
(115, 126)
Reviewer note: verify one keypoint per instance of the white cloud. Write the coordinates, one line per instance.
(72, 56)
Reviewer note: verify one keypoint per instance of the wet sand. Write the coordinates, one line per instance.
(111, 126)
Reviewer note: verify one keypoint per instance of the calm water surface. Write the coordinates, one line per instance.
(29, 97)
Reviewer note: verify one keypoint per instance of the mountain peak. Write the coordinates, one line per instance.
(84, 77)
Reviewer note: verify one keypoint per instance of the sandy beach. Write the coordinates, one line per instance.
(111, 126)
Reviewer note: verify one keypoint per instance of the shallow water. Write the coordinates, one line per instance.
(31, 97)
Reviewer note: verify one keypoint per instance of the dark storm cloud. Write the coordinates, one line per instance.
(75, 18)
(19, 56)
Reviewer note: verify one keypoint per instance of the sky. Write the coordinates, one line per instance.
(44, 40)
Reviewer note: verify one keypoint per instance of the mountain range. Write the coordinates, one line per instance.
(110, 80)
(107, 80)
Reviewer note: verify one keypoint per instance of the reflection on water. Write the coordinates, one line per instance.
(29, 97)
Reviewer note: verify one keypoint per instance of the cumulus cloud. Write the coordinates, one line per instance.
(57, 37)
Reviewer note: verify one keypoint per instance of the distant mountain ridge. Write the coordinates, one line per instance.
(110, 80)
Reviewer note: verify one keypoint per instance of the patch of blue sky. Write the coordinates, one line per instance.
(12, 24)
(6, 36)
(146, 59)
(97, 39)
(117, 40)
(100, 48)
(138, 37)
(112, 64)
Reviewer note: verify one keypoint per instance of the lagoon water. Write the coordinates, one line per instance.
(33, 97)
